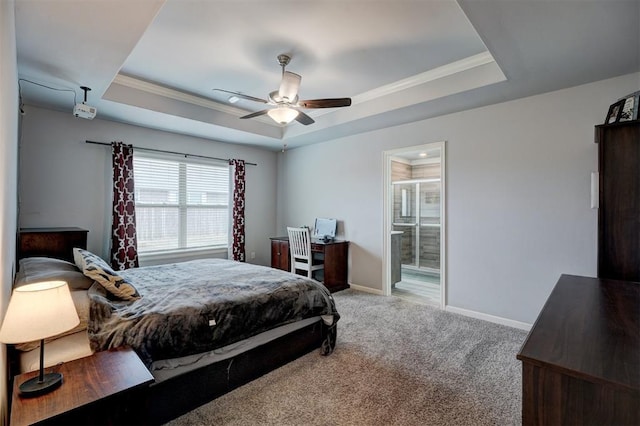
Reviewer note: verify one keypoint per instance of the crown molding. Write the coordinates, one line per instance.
(145, 86)
(425, 77)
(177, 95)
(407, 83)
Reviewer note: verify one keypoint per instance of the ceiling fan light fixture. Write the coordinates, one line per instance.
(289, 86)
(283, 114)
(285, 99)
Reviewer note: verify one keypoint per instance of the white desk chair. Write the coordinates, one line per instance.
(300, 247)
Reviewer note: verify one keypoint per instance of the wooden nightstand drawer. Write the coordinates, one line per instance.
(100, 389)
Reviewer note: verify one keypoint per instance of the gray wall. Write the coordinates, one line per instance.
(8, 173)
(517, 201)
(517, 178)
(66, 182)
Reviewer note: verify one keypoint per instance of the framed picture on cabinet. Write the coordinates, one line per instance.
(614, 112)
(629, 111)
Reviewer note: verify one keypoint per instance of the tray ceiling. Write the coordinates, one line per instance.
(155, 63)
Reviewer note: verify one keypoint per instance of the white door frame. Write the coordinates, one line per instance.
(387, 193)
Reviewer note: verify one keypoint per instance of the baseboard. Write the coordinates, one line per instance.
(491, 318)
(366, 289)
(466, 312)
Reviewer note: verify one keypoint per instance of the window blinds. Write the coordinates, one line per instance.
(180, 204)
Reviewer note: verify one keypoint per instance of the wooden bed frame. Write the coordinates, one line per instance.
(181, 394)
(173, 397)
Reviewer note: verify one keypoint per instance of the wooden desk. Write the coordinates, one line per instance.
(581, 360)
(336, 258)
(99, 389)
(51, 242)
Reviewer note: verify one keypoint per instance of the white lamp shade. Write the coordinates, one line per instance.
(283, 115)
(37, 311)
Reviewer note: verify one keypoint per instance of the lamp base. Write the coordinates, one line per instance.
(35, 387)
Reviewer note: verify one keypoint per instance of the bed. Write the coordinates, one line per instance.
(202, 328)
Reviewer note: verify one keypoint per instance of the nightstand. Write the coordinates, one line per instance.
(105, 388)
(51, 242)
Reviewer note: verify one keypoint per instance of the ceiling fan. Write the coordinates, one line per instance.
(285, 99)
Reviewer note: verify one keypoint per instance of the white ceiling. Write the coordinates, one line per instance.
(154, 63)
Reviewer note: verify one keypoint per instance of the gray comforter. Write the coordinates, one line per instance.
(197, 306)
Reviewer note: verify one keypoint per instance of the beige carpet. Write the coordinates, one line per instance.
(396, 363)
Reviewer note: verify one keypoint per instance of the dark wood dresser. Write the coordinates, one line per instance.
(51, 242)
(581, 359)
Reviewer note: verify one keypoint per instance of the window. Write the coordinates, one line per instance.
(180, 204)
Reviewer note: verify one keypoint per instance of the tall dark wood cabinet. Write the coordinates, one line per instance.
(619, 202)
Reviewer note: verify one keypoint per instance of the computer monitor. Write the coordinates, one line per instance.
(325, 228)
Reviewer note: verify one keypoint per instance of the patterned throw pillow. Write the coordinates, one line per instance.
(95, 268)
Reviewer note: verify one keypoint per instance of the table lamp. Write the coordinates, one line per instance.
(37, 311)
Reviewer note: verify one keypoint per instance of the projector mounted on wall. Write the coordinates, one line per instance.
(83, 110)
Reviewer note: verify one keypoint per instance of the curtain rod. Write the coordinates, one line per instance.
(171, 152)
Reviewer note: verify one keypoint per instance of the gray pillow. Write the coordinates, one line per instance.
(37, 269)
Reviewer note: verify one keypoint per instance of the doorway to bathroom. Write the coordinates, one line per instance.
(414, 223)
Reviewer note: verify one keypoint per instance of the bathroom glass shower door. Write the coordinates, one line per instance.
(405, 220)
(416, 214)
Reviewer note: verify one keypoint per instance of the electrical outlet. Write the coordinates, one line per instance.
(253, 254)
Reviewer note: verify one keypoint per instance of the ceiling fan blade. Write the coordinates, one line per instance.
(325, 103)
(289, 85)
(255, 114)
(243, 96)
(303, 118)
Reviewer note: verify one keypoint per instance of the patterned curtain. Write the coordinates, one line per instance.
(237, 247)
(124, 246)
